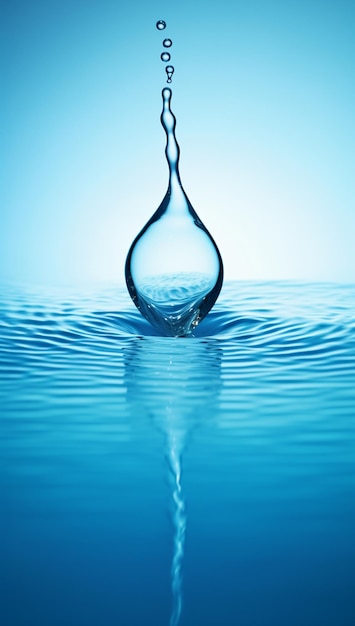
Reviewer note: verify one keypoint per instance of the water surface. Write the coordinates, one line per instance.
(254, 417)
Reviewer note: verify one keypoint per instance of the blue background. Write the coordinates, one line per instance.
(263, 92)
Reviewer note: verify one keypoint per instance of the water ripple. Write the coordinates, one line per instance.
(269, 375)
(291, 320)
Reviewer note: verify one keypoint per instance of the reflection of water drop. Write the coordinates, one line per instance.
(169, 71)
(179, 519)
(174, 270)
(166, 382)
(165, 56)
(167, 43)
(160, 24)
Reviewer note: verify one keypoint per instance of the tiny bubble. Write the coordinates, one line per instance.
(167, 43)
(160, 24)
(165, 56)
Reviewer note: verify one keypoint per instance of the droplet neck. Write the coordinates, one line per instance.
(172, 150)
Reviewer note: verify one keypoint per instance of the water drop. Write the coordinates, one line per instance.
(167, 43)
(169, 71)
(174, 270)
(160, 24)
(165, 56)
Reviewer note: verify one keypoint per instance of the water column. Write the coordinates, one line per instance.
(173, 270)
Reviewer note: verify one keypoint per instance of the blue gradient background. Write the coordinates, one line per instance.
(263, 92)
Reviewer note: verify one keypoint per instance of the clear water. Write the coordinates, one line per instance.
(141, 472)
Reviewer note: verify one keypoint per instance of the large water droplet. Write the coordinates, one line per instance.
(160, 24)
(165, 56)
(174, 270)
(169, 71)
(167, 43)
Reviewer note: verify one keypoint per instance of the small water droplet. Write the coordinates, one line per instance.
(167, 43)
(170, 71)
(160, 24)
(165, 56)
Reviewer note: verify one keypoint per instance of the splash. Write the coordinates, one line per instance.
(174, 255)
(174, 270)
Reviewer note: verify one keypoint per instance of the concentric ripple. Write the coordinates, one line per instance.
(290, 324)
